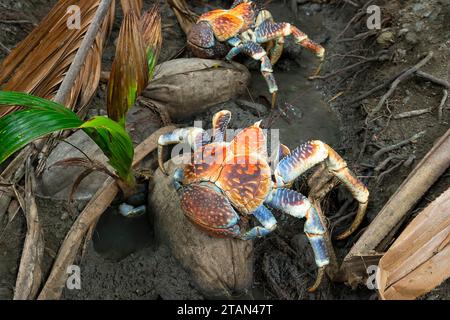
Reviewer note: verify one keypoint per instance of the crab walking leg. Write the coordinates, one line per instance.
(277, 50)
(219, 125)
(237, 2)
(195, 137)
(268, 221)
(297, 205)
(255, 51)
(268, 30)
(313, 152)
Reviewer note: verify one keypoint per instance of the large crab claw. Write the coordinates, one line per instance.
(193, 136)
(210, 210)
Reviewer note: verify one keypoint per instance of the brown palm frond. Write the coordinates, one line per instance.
(131, 5)
(39, 63)
(186, 18)
(152, 36)
(129, 72)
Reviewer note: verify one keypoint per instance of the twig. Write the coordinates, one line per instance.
(357, 16)
(390, 148)
(359, 36)
(357, 64)
(413, 113)
(384, 173)
(377, 88)
(82, 52)
(351, 3)
(30, 270)
(12, 174)
(342, 209)
(5, 48)
(384, 163)
(334, 224)
(433, 79)
(397, 81)
(442, 104)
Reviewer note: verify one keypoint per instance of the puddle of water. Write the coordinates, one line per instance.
(315, 119)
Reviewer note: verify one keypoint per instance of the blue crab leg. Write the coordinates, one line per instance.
(313, 152)
(265, 16)
(255, 51)
(268, 221)
(297, 205)
(234, 41)
(195, 137)
(220, 123)
(268, 30)
(277, 50)
(178, 177)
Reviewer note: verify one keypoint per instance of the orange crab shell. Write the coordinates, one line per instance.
(240, 169)
(228, 23)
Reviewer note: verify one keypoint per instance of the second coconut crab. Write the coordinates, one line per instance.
(245, 29)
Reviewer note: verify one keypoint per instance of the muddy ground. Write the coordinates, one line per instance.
(124, 262)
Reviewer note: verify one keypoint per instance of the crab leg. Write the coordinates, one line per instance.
(195, 137)
(313, 152)
(266, 218)
(297, 205)
(237, 2)
(219, 125)
(268, 30)
(255, 51)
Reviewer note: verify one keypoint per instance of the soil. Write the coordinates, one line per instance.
(124, 262)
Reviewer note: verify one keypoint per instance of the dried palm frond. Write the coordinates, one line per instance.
(152, 34)
(39, 63)
(129, 74)
(186, 18)
(137, 51)
(131, 5)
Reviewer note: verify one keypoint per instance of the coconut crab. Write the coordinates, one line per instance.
(226, 183)
(246, 30)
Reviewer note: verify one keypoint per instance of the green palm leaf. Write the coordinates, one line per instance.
(41, 117)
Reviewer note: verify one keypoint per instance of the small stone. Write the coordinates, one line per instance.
(411, 38)
(386, 39)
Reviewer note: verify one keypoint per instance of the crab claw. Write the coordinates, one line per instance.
(319, 278)
(161, 160)
(210, 210)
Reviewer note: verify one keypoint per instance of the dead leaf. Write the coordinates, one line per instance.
(38, 64)
(186, 18)
(129, 74)
(419, 260)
